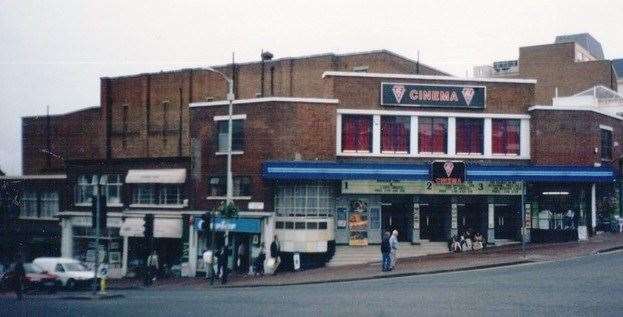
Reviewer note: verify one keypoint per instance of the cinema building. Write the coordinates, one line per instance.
(429, 156)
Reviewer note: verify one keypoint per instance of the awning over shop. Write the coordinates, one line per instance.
(397, 171)
(159, 176)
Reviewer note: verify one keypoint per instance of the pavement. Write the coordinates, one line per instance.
(589, 285)
(430, 264)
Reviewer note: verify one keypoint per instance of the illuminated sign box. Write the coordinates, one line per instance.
(425, 95)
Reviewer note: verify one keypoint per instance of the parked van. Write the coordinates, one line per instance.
(70, 272)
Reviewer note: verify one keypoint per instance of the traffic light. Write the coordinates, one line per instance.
(149, 225)
(205, 225)
(102, 215)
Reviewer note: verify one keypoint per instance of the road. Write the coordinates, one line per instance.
(591, 285)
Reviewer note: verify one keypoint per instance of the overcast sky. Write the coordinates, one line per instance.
(54, 52)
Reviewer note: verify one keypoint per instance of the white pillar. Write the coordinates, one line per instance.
(451, 136)
(268, 232)
(67, 245)
(376, 134)
(124, 257)
(192, 251)
(491, 224)
(487, 137)
(593, 205)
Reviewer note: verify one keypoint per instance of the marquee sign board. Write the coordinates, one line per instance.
(430, 188)
(425, 95)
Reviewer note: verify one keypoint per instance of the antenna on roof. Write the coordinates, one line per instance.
(417, 63)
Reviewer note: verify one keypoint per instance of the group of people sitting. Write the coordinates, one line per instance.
(467, 241)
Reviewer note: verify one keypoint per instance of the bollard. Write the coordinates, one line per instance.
(103, 286)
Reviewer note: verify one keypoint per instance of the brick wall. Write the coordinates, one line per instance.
(554, 66)
(571, 137)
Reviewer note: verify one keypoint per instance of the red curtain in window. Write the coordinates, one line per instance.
(512, 137)
(349, 133)
(394, 134)
(462, 136)
(387, 126)
(425, 134)
(497, 136)
(364, 135)
(439, 135)
(402, 136)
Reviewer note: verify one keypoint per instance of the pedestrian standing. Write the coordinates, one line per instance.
(393, 243)
(385, 251)
(259, 261)
(222, 264)
(275, 250)
(243, 267)
(208, 259)
(19, 275)
(152, 266)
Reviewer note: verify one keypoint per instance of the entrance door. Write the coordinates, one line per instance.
(397, 216)
(471, 217)
(434, 220)
(506, 222)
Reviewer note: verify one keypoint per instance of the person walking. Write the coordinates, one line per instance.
(275, 250)
(19, 275)
(259, 261)
(243, 266)
(393, 243)
(208, 260)
(222, 264)
(152, 266)
(385, 251)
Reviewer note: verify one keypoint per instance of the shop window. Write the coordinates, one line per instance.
(505, 137)
(356, 133)
(432, 134)
(322, 225)
(312, 225)
(279, 225)
(299, 225)
(241, 186)
(29, 204)
(85, 189)
(289, 225)
(606, 144)
(237, 142)
(49, 204)
(395, 134)
(469, 136)
(156, 194)
(304, 200)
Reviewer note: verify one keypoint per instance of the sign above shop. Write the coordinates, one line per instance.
(448, 172)
(236, 225)
(430, 188)
(446, 96)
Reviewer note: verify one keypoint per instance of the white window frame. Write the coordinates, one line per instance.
(49, 204)
(294, 200)
(158, 195)
(216, 119)
(524, 137)
(83, 183)
(29, 199)
(235, 192)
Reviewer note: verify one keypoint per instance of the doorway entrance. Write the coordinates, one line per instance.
(397, 215)
(507, 222)
(434, 221)
(472, 217)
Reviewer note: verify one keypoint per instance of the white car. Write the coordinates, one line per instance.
(70, 272)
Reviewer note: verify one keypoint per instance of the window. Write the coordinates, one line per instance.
(395, 134)
(505, 136)
(49, 204)
(311, 200)
(144, 194)
(469, 136)
(112, 188)
(85, 188)
(237, 140)
(29, 204)
(356, 133)
(59, 268)
(606, 144)
(433, 135)
(241, 186)
(156, 194)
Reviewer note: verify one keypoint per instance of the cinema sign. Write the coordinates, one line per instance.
(422, 95)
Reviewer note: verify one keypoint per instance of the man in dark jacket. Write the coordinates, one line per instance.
(222, 264)
(385, 251)
(275, 249)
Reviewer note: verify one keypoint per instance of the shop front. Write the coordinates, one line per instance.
(377, 197)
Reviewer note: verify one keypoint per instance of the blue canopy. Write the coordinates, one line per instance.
(299, 170)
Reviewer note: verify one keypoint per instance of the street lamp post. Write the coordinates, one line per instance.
(230, 99)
